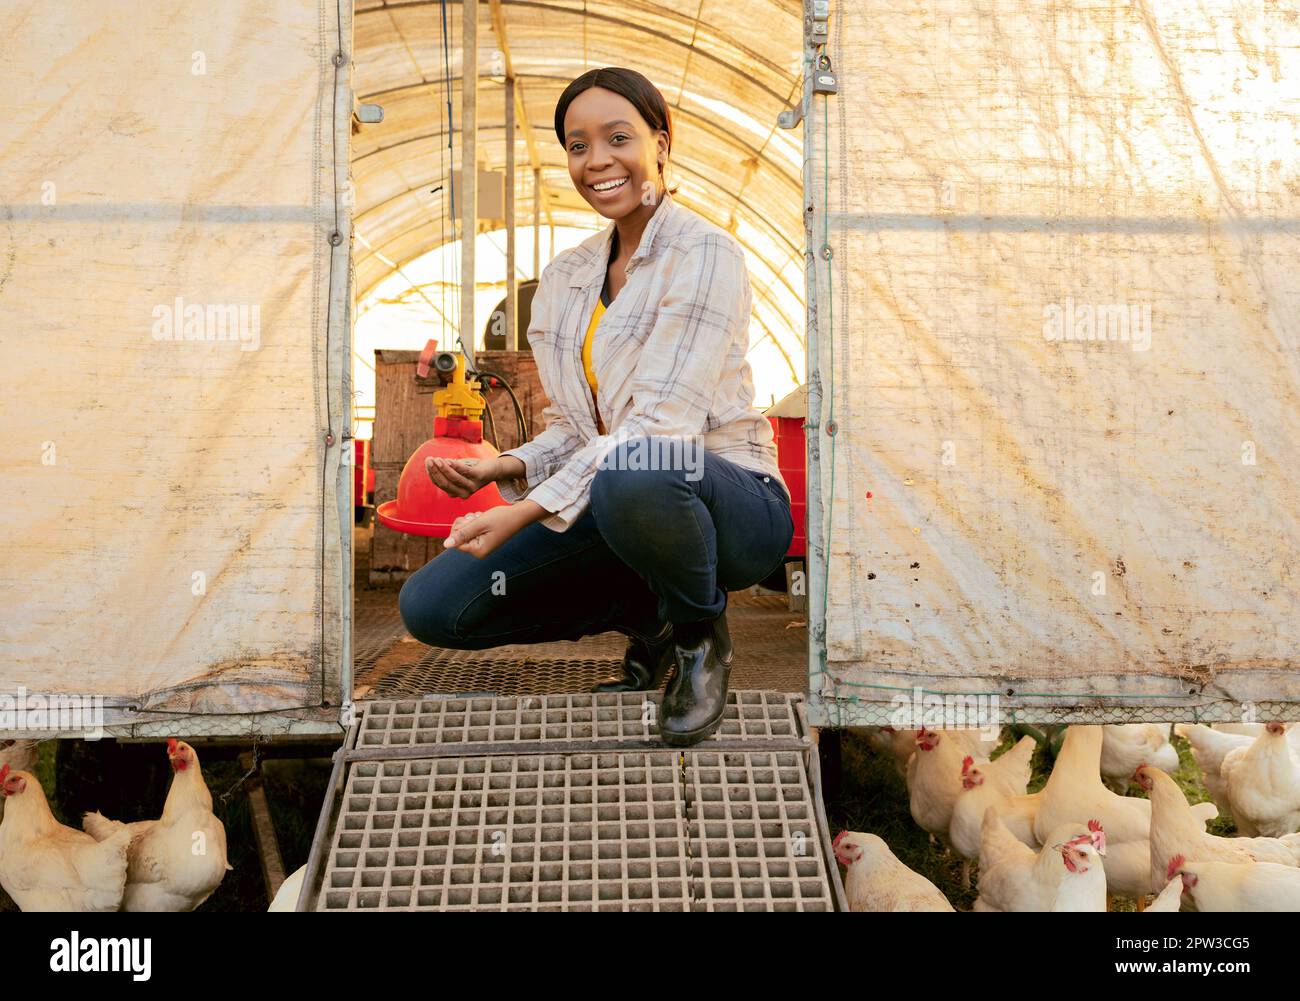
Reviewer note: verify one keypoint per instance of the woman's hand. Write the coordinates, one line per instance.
(462, 477)
(481, 532)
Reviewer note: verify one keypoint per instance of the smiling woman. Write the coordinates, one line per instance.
(640, 334)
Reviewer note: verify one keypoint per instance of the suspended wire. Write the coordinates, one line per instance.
(449, 208)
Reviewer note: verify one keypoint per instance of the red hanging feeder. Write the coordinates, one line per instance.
(421, 508)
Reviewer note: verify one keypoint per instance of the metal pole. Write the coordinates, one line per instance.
(537, 222)
(817, 554)
(512, 285)
(468, 171)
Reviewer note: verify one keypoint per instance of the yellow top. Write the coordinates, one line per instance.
(586, 344)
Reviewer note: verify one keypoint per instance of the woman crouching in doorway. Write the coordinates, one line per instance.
(654, 489)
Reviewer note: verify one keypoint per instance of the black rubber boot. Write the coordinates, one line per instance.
(696, 698)
(645, 664)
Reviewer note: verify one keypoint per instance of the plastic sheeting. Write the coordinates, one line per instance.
(1059, 338)
(171, 355)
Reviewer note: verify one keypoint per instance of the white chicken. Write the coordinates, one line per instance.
(1210, 746)
(1083, 887)
(178, 860)
(286, 898)
(1169, 899)
(896, 745)
(45, 866)
(1238, 886)
(876, 881)
(1263, 783)
(934, 778)
(999, 783)
(1126, 746)
(1014, 877)
(1174, 831)
(900, 745)
(1245, 729)
(1075, 793)
(20, 756)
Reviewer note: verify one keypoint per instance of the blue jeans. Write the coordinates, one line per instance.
(652, 546)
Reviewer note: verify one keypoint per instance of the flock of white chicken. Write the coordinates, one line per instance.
(1078, 841)
(169, 864)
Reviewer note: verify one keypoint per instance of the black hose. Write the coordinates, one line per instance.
(520, 420)
(490, 425)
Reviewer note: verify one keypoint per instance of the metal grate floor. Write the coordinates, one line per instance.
(754, 836)
(609, 831)
(570, 802)
(627, 717)
(515, 832)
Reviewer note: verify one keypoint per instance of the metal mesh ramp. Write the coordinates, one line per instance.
(770, 641)
(437, 672)
(376, 627)
(572, 803)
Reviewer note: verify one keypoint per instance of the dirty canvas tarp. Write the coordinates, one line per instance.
(171, 536)
(1061, 335)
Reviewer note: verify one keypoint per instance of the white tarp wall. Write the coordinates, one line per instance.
(1096, 528)
(173, 329)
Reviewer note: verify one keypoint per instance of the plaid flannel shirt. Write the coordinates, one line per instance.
(669, 356)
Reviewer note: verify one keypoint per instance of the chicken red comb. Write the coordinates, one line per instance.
(838, 838)
(1175, 863)
(1094, 826)
(4, 771)
(966, 763)
(171, 746)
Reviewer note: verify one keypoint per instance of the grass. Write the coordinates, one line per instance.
(873, 799)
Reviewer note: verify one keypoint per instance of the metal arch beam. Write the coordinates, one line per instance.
(700, 120)
(736, 196)
(377, 98)
(420, 138)
(768, 335)
(756, 316)
(521, 113)
(705, 179)
(707, 124)
(764, 292)
(796, 191)
(741, 51)
(777, 272)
